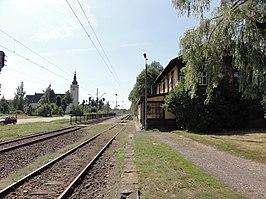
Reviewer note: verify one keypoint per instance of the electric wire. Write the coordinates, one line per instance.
(36, 54)
(26, 75)
(33, 51)
(92, 41)
(23, 79)
(35, 63)
(104, 52)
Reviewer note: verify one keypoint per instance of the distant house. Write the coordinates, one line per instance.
(157, 116)
(34, 100)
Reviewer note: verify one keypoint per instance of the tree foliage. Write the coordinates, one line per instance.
(48, 96)
(138, 91)
(236, 29)
(66, 100)
(226, 110)
(19, 99)
(4, 107)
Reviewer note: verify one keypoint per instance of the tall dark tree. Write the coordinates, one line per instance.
(4, 106)
(138, 90)
(19, 99)
(236, 29)
(66, 100)
(48, 96)
(58, 101)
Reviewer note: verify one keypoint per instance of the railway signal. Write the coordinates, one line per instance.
(2, 60)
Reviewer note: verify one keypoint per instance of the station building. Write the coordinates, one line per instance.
(157, 116)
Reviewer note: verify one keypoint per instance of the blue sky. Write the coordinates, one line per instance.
(125, 28)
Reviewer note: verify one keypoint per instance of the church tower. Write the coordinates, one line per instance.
(74, 90)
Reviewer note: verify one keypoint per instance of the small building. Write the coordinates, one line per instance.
(158, 117)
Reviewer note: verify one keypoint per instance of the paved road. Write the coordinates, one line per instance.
(41, 119)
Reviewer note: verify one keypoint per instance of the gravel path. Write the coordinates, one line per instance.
(245, 176)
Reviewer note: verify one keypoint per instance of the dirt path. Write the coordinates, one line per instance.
(245, 176)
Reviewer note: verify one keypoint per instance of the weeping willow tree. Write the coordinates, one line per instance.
(235, 30)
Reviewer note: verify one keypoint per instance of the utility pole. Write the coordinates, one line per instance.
(115, 100)
(97, 100)
(145, 103)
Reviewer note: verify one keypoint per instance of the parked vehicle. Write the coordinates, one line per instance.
(4, 120)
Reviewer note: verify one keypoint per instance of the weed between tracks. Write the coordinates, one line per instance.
(121, 142)
(163, 173)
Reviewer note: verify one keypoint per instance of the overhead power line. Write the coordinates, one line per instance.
(103, 59)
(35, 63)
(38, 55)
(81, 7)
(33, 51)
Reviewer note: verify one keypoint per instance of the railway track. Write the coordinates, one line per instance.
(33, 138)
(57, 178)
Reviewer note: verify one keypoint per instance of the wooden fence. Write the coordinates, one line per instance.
(80, 119)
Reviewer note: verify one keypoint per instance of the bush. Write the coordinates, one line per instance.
(226, 109)
(30, 110)
(77, 110)
(60, 111)
(44, 110)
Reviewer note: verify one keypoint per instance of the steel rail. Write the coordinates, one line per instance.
(32, 136)
(38, 140)
(20, 138)
(38, 171)
(68, 191)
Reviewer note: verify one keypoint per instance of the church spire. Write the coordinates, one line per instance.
(75, 79)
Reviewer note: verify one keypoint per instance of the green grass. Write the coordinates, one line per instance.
(23, 129)
(119, 153)
(249, 145)
(164, 174)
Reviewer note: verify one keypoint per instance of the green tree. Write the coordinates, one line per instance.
(77, 110)
(44, 110)
(226, 109)
(30, 110)
(4, 106)
(66, 100)
(153, 70)
(48, 96)
(58, 100)
(60, 111)
(19, 99)
(235, 30)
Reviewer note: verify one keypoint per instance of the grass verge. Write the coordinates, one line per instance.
(119, 155)
(249, 145)
(23, 129)
(164, 174)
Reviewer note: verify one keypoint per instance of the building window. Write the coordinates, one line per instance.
(163, 85)
(167, 84)
(203, 81)
(155, 110)
(172, 79)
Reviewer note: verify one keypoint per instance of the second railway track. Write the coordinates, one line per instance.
(52, 180)
(8, 145)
